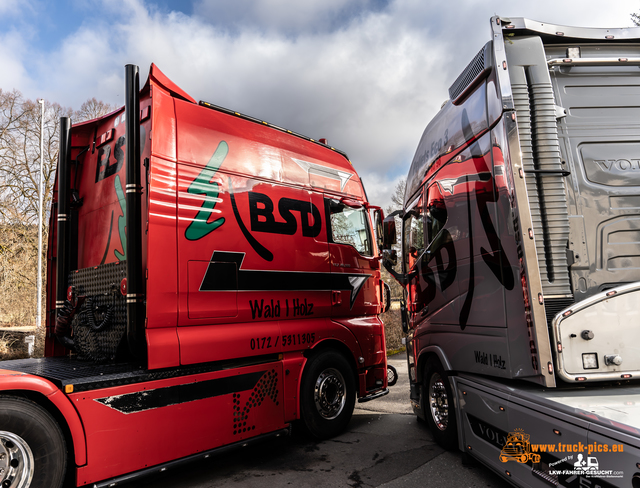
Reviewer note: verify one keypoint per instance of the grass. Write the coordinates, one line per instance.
(12, 346)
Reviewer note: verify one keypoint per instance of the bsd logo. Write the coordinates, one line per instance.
(262, 218)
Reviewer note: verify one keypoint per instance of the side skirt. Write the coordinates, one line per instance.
(162, 468)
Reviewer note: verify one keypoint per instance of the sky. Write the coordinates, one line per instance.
(368, 75)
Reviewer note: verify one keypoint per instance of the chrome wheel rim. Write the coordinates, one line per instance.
(16, 461)
(330, 393)
(390, 375)
(438, 401)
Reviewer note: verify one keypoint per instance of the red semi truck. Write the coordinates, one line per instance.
(211, 279)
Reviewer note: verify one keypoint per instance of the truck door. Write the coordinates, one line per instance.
(430, 258)
(354, 291)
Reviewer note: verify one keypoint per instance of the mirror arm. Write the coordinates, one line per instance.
(369, 206)
(399, 277)
(399, 213)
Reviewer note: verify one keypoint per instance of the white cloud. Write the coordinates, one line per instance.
(366, 75)
(11, 7)
(282, 16)
(13, 56)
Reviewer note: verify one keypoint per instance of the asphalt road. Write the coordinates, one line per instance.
(384, 446)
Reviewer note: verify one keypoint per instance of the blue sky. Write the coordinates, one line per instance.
(366, 74)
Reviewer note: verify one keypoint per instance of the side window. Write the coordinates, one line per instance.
(348, 225)
(413, 235)
(436, 212)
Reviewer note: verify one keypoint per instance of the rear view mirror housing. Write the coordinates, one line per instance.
(388, 232)
(387, 298)
(379, 228)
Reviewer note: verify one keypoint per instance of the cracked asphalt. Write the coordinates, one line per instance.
(384, 446)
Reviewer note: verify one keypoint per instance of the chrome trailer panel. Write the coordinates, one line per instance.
(599, 338)
(496, 416)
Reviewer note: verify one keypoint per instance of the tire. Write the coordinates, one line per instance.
(439, 407)
(328, 395)
(32, 446)
(392, 375)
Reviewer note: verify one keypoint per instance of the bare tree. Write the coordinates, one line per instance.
(397, 198)
(19, 187)
(92, 109)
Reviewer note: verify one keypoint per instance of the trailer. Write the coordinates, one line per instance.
(521, 258)
(212, 279)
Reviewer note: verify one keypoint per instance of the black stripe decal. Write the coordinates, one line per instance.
(262, 251)
(106, 250)
(173, 395)
(224, 274)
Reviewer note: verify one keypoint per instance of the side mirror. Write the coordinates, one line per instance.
(388, 232)
(387, 298)
(378, 218)
(404, 316)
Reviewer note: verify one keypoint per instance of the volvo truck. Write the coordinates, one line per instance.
(520, 258)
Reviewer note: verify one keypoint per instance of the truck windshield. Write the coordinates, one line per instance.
(350, 226)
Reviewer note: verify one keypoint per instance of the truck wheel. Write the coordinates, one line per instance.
(328, 395)
(32, 447)
(392, 375)
(438, 405)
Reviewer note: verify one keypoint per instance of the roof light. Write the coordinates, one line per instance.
(559, 33)
(608, 36)
(581, 378)
(611, 293)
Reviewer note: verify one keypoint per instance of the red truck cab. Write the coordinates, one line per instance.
(211, 279)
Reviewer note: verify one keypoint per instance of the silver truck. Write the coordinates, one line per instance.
(521, 258)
